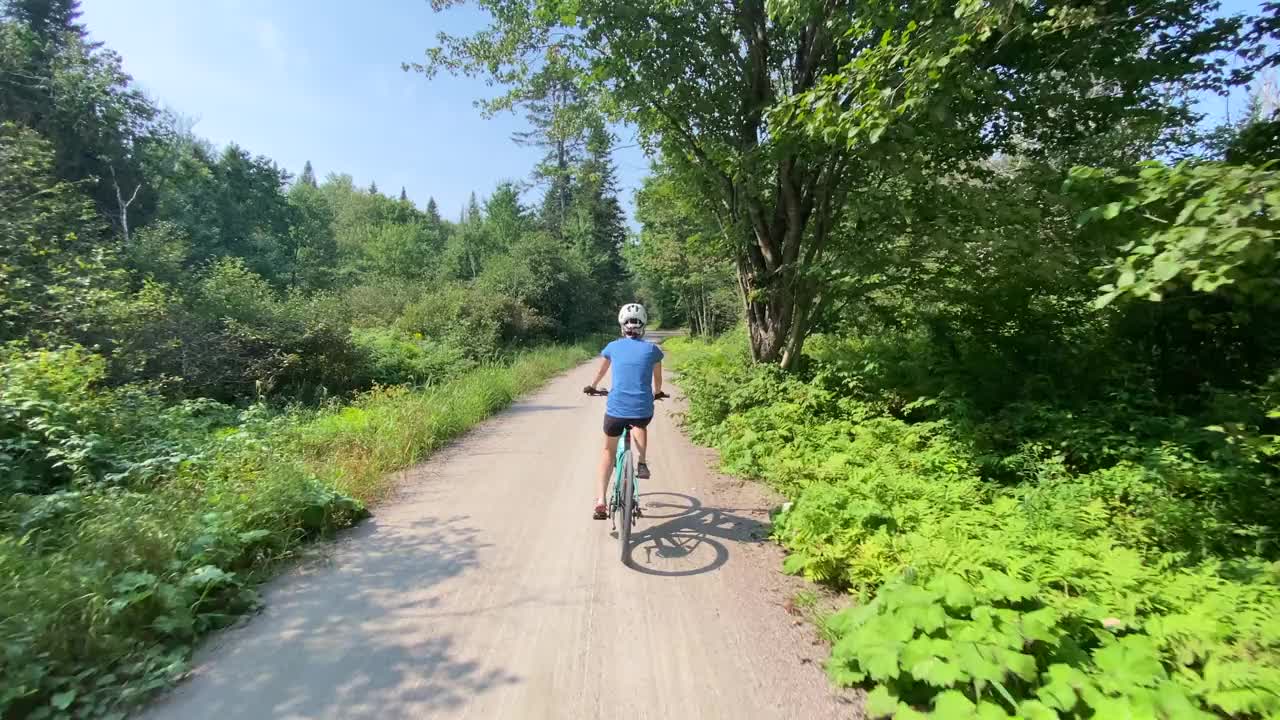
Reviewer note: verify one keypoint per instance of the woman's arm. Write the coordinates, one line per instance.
(604, 368)
(657, 377)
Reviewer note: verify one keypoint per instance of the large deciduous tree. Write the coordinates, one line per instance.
(775, 105)
(698, 80)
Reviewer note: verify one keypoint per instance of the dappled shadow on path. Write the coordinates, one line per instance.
(689, 539)
(347, 638)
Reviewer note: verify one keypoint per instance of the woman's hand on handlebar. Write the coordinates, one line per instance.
(593, 390)
(660, 395)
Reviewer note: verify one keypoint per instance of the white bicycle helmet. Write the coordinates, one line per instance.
(633, 318)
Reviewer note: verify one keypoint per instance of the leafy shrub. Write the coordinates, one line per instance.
(236, 338)
(396, 358)
(481, 323)
(60, 428)
(54, 268)
(542, 272)
(105, 589)
(380, 305)
(1035, 561)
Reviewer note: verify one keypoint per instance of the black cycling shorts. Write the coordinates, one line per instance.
(613, 426)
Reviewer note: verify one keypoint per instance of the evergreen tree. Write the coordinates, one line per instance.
(433, 212)
(601, 228)
(560, 120)
(404, 196)
(373, 188)
(308, 176)
(50, 20)
(76, 95)
(505, 216)
(556, 204)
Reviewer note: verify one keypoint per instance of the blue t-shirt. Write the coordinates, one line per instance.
(631, 396)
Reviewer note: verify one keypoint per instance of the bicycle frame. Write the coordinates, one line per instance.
(624, 445)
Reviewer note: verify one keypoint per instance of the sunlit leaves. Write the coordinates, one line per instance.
(1210, 227)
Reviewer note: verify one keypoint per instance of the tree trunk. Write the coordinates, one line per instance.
(777, 314)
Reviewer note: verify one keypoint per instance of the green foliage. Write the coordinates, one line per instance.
(1204, 226)
(389, 428)
(55, 428)
(466, 316)
(396, 358)
(74, 93)
(109, 579)
(680, 260)
(53, 268)
(1022, 562)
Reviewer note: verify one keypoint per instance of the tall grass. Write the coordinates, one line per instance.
(105, 589)
(388, 429)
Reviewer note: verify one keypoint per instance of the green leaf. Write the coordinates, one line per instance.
(795, 563)
(956, 591)
(63, 700)
(208, 575)
(937, 672)
(1131, 661)
(991, 711)
(1105, 299)
(881, 702)
(953, 704)
(1036, 710)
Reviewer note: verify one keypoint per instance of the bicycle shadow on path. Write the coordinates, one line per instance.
(690, 538)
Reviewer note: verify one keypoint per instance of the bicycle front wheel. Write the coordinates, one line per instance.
(627, 511)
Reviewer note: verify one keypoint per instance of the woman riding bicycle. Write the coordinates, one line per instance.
(637, 379)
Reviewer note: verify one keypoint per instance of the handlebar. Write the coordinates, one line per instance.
(605, 391)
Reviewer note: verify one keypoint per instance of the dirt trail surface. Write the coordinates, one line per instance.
(485, 590)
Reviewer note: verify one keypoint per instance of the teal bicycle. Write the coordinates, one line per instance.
(623, 506)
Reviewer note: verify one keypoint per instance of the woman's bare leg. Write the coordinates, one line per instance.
(640, 438)
(606, 465)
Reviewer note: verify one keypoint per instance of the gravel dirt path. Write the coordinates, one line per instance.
(484, 590)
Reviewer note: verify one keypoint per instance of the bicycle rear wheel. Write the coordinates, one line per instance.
(626, 514)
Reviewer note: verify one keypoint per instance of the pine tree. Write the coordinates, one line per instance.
(556, 203)
(404, 196)
(308, 176)
(560, 119)
(373, 188)
(433, 212)
(597, 204)
(50, 20)
(96, 127)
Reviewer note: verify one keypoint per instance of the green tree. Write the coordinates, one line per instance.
(506, 219)
(596, 224)
(50, 20)
(467, 246)
(681, 269)
(313, 248)
(773, 144)
(308, 176)
(54, 268)
(560, 118)
(75, 94)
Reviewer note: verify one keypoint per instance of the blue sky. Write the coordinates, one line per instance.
(320, 80)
